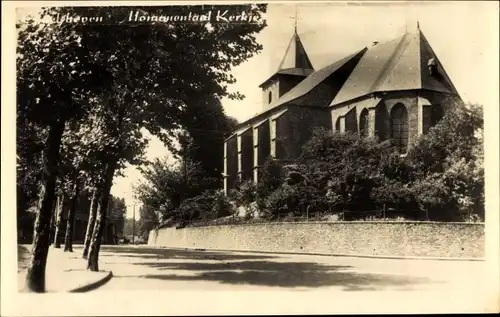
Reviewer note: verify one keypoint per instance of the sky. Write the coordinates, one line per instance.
(464, 36)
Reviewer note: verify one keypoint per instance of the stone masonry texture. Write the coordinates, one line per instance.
(411, 239)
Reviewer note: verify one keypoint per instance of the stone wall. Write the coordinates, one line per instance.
(411, 239)
(295, 128)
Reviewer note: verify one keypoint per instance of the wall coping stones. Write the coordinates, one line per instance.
(343, 223)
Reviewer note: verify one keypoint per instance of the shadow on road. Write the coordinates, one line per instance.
(249, 269)
(159, 253)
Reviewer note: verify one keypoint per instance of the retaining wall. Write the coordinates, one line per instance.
(400, 239)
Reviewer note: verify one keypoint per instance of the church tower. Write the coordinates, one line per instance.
(294, 67)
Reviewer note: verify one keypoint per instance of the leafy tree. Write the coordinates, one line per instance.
(345, 168)
(269, 180)
(207, 126)
(210, 204)
(54, 76)
(162, 187)
(141, 77)
(166, 185)
(117, 213)
(149, 220)
(29, 148)
(448, 163)
(144, 94)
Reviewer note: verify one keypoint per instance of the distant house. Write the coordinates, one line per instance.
(394, 90)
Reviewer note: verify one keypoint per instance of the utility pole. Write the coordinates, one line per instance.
(133, 224)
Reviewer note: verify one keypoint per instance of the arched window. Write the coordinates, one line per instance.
(399, 127)
(363, 123)
(270, 97)
(436, 114)
(432, 114)
(382, 122)
(337, 125)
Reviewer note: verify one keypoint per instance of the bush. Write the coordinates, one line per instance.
(279, 203)
(208, 205)
(441, 178)
(269, 180)
(448, 166)
(244, 193)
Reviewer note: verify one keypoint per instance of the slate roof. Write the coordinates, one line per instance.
(295, 61)
(295, 55)
(314, 79)
(399, 64)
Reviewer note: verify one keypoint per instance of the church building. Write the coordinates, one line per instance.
(395, 90)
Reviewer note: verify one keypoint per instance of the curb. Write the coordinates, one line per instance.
(93, 285)
(337, 254)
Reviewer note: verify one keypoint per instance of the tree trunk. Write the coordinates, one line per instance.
(59, 221)
(68, 239)
(53, 220)
(95, 243)
(91, 223)
(35, 278)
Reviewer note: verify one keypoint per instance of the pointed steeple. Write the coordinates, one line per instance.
(295, 55)
(295, 61)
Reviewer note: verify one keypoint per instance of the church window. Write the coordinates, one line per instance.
(264, 145)
(337, 125)
(351, 121)
(363, 123)
(247, 155)
(270, 97)
(232, 161)
(431, 114)
(382, 122)
(273, 137)
(399, 127)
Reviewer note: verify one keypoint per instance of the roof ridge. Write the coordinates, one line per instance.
(402, 51)
(342, 61)
(387, 65)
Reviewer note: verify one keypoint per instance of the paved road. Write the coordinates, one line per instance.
(146, 268)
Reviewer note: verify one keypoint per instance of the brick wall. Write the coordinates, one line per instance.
(422, 239)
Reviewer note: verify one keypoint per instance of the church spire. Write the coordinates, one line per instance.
(295, 54)
(296, 20)
(295, 62)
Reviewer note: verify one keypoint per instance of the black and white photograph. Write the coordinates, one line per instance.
(196, 158)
